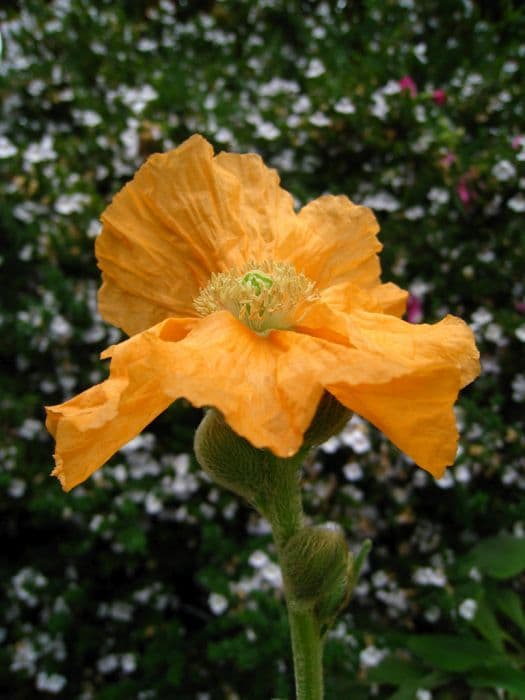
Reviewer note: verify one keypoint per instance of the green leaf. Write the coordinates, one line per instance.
(509, 603)
(487, 625)
(450, 653)
(408, 690)
(395, 671)
(502, 677)
(500, 557)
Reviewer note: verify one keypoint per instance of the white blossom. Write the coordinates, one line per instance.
(218, 603)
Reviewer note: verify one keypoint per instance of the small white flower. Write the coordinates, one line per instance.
(517, 203)
(372, 656)
(518, 388)
(468, 609)
(94, 228)
(344, 106)
(494, 333)
(52, 683)
(272, 574)
(357, 440)
(463, 475)
(87, 117)
(504, 170)
(381, 201)
(420, 52)
(302, 104)
(278, 86)
(60, 328)
(152, 504)
(391, 88)
(414, 213)
(128, 663)
(480, 317)
(218, 603)
(224, 135)
(145, 45)
(315, 68)
(439, 195)
(380, 579)
(380, 106)
(446, 481)
(7, 149)
(331, 445)
(520, 333)
(422, 694)
(107, 664)
(475, 574)
(319, 119)
(267, 130)
(38, 152)
(258, 559)
(426, 576)
(70, 203)
(353, 471)
(30, 429)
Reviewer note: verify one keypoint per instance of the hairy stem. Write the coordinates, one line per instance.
(285, 513)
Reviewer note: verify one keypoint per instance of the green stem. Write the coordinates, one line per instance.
(307, 649)
(285, 513)
(272, 486)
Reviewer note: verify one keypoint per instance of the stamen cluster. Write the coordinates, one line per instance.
(263, 295)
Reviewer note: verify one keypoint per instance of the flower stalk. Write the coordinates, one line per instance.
(318, 569)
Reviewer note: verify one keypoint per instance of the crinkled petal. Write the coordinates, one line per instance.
(338, 243)
(185, 215)
(449, 342)
(92, 426)
(390, 298)
(163, 235)
(414, 411)
(266, 209)
(403, 378)
(259, 385)
(384, 298)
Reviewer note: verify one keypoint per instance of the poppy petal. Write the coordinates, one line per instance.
(264, 395)
(180, 219)
(403, 378)
(448, 342)
(339, 243)
(266, 209)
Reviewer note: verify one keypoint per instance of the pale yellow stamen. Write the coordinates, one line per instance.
(263, 295)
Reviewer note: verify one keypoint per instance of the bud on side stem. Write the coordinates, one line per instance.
(315, 562)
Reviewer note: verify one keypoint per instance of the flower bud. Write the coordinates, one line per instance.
(329, 419)
(230, 460)
(316, 566)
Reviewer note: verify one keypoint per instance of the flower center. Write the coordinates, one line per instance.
(264, 296)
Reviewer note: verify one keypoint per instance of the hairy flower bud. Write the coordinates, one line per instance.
(257, 475)
(316, 564)
(329, 419)
(230, 460)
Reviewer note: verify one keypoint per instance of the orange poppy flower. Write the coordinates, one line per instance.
(234, 300)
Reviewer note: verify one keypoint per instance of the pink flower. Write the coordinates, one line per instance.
(439, 97)
(520, 306)
(447, 160)
(463, 191)
(406, 83)
(517, 142)
(414, 312)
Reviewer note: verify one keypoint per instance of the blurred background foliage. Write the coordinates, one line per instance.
(148, 581)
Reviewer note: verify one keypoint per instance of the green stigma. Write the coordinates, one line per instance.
(257, 280)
